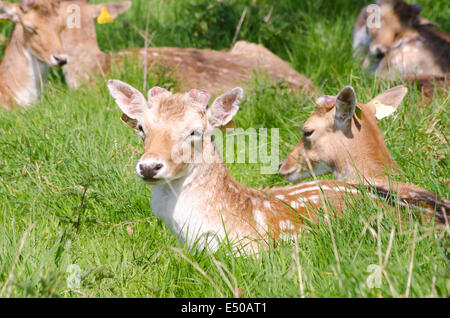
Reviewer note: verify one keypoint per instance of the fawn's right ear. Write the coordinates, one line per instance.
(224, 108)
(9, 11)
(387, 102)
(132, 103)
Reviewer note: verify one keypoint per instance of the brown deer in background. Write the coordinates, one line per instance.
(215, 71)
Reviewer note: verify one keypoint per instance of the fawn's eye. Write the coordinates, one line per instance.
(195, 133)
(141, 131)
(308, 133)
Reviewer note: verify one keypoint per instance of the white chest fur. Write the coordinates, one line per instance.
(33, 82)
(182, 211)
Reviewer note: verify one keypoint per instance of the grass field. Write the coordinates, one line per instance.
(69, 194)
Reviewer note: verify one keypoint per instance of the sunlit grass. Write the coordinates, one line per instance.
(69, 194)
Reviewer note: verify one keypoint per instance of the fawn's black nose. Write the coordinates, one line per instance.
(60, 60)
(149, 170)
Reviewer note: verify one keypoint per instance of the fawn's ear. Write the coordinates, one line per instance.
(130, 100)
(345, 106)
(113, 8)
(9, 11)
(224, 107)
(387, 102)
(199, 97)
(155, 91)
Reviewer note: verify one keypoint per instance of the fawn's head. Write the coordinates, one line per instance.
(338, 130)
(38, 25)
(174, 127)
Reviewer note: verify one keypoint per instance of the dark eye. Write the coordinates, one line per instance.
(141, 131)
(195, 133)
(307, 133)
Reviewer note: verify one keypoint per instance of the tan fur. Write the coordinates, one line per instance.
(29, 52)
(214, 71)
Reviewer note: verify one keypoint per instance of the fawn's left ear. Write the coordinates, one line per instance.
(345, 106)
(129, 99)
(224, 108)
(387, 102)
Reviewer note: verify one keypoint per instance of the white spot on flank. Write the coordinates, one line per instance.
(346, 190)
(306, 190)
(286, 225)
(260, 220)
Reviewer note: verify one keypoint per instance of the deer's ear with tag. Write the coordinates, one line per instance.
(387, 102)
(111, 9)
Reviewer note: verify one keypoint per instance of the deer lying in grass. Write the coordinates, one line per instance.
(349, 151)
(196, 197)
(214, 71)
(403, 44)
(342, 137)
(35, 45)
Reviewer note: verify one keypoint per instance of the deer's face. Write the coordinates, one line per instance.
(39, 27)
(314, 151)
(396, 17)
(329, 135)
(174, 127)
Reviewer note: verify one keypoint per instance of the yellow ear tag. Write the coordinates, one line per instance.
(382, 110)
(105, 17)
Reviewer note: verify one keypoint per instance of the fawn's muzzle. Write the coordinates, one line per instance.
(148, 171)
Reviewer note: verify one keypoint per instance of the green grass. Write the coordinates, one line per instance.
(69, 194)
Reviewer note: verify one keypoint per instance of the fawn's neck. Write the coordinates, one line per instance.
(23, 76)
(367, 157)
